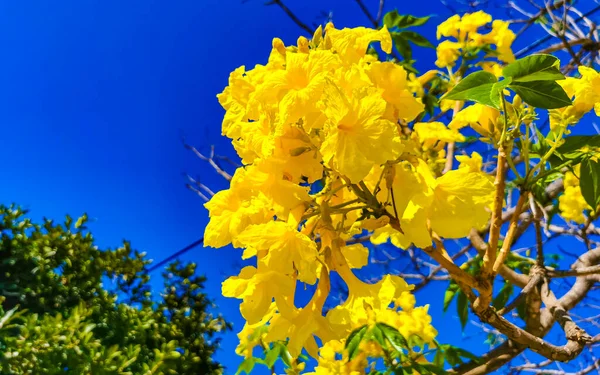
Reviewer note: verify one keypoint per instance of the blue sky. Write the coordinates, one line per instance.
(96, 96)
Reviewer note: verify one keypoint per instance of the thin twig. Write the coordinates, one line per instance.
(292, 16)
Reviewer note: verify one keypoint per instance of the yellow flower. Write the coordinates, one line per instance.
(492, 67)
(503, 37)
(356, 255)
(481, 118)
(311, 125)
(416, 84)
(299, 156)
(257, 289)
(406, 301)
(465, 30)
(252, 335)
(354, 312)
(586, 91)
(287, 250)
(302, 325)
(447, 53)
(571, 203)
(333, 361)
(231, 211)
(268, 177)
(357, 135)
(352, 44)
(393, 81)
(430, 133)
(470, 22)
(473, 163)
(449, 28)
(451, 205)
(300, 85)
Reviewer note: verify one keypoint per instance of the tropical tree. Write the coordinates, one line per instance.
(468, 174)
(70, 307)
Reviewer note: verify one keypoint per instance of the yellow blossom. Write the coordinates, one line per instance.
(571, 203)
(447, 53)
(358, 136)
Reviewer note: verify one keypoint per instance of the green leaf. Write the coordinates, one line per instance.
(589, 182)
(428, 368)
(438, 360)
(501, 85)
(403, 370)
(542, 94)
(476, 87)
(402, 46)
(452, 356)
(576, 144)
(354, 339)
(376, 335)
(503, 295)
(285, 355)
(466, 354)
(246, 366)
(462, 308)
(272, 355)
(522, 311)
(395, 338)
(430, 102)
(416, 39)
(393, 19)
(81, 221)
(450, 294)
(534, 68)
(574, 149)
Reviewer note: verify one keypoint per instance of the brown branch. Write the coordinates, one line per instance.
(505, 352)
(510, 234)
(558, 353)
(587, 370)
(210, 160)
(542, 12)
(292, 16)
(437, 269)
(592, 270)
(496, 222)
(365, 10)
(561, 45)
(380, 11)
(534, 281)
(449, 157)
(508, 274)
(457, 273)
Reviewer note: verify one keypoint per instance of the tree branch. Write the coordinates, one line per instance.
(292, 16)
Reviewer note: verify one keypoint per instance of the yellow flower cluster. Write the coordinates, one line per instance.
(586, 93)
(571, 203)
(467, 39)
(322, 133)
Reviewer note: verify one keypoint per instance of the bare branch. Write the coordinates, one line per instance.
(210, 159)
(367, 13)
(292, 15)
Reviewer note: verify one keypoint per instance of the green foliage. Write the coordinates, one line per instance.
(476, 87)
(397, 23)
(57, 316)
(589, 181)
(578, 149)
(532, 78)
(399, 357)
(393, 20)
(354, 340)
(542, 94)
(539, 67)
(452, 355)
